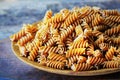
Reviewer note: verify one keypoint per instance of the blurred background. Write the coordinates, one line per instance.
(15, 13)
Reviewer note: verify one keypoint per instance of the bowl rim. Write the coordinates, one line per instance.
(15, 50)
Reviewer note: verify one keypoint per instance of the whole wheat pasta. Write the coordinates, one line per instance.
(79, 39)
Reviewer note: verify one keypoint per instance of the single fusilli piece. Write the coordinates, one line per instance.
(95, 60)
(111, 64)
(25, 39)
(116, 41)
(110, 53)
(112, 31)
(77, 51)
(57, 57)
(97, 20)
(66, 33)
(48, 15)
(45, 50)
(110, 12)
(70, 19)
(114, 18)
(18, 35)
(81, 67)
(55, 64)
(109, 23)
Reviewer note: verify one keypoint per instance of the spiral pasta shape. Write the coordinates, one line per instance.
(101, 28)
(111, 64)
(85, 26)
(25, 39)
(66, 33)
(48, 15)
(77, 51)
(50, 42)
(33, 53)
(81, 67)
(114, 18)
(78, 30)
(110, 53)
(34, 48)
(80, 39)
(90, 50)
(55, 64)
(45, 50)
(104, 46)
(110, 12)
(65, 13)
(72, 60)
(70, 19)
(56, 25)
(112, 31)
(57, 57)
(18, 35)
(77, 22)
(82, 44)
(97, 33)
(89, 18)
(95, 60)
(23, 51)
(98, 53)
(116, 41)
(99, 40)
(56, 18)
(30, 45)
(109, 22)
(97, 20)
(31, 28)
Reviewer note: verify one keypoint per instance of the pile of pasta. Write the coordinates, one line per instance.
(83, 38)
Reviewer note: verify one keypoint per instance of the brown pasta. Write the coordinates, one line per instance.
(48, 15)
(77, 51)
(109, 22)
(30, 29)
(25, 39)
(104, 46)
(101, 28)
(81, 67)
(95, 60)
(23, 51)
(34, 51)
(82, 44)
(45, 50)
(112, 31)
(116, 41)
(57, 57)
(110, 53)
(55, 64)
(97, 20)
(88, 19)
(80, 39)
(70, 19)
(66, 32)
(18, 35)
(56, 18)
(111, 12)
(111, 64)
(114, 18)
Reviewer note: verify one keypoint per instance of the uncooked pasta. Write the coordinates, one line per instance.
(80, 39)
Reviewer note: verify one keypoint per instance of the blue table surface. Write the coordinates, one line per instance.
(15, 13)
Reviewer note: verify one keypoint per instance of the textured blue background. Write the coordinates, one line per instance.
(14, 13)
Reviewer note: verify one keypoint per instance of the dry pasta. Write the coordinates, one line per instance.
(79, 39)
